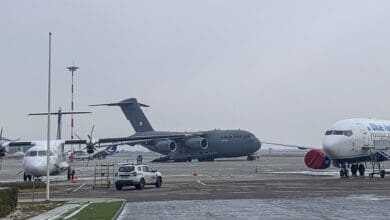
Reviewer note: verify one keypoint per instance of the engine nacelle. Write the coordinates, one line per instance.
(197, 143)
(167, 144)
(317, 159)
(90, 150)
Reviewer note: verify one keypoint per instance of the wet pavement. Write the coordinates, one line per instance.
(351, 207)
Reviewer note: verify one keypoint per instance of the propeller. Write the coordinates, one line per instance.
(91, 144)
(3, 151)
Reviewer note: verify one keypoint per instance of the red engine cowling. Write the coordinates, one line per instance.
(317, 159)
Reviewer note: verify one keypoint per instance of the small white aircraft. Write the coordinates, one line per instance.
(349, 144)
(35, 161)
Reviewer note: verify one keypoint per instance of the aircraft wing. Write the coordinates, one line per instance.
(301, 147)
(141, 138)
(19, 143)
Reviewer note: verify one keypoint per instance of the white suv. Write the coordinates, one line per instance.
(137, 175)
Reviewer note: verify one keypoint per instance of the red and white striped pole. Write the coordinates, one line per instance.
(72, 69)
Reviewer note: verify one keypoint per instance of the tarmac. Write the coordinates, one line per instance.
(229, 189)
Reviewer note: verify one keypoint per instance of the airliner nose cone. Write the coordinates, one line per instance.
(330, 147)
(36, 169)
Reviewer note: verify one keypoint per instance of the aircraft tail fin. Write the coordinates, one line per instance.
(133, 112)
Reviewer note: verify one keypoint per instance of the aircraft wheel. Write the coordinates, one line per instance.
(342, 173)
(362, 169)
(383, 172)
(354, 169)
(346, 173)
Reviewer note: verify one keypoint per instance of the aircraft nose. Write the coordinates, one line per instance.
(36, 168)
(331, 146)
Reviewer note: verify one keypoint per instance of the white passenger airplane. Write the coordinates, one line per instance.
(34, 161)
(349, 144)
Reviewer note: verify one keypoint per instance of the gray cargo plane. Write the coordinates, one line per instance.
(183, 146)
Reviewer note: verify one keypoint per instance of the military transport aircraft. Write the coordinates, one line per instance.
(183, 146)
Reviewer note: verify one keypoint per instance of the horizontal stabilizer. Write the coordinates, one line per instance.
(123, 103)
(58, 113)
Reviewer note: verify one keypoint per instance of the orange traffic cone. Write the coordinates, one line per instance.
(194, 173)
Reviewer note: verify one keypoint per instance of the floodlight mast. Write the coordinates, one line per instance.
(72, 69)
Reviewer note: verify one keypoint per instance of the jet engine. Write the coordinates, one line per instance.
(167, 144)
(317, 159)
(197, 143)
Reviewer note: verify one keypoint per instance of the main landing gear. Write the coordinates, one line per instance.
(355, 168)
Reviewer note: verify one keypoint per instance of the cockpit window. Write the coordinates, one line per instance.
(347, 133)
(32, 154)
(41, 153)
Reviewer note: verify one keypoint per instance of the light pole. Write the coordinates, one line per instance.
(72, 69)
(48, 126)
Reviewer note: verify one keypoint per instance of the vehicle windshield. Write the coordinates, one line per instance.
(126, 169)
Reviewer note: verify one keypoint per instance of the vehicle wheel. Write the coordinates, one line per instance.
(371, 175)
(158, 182)
(24, 177)
(362, 169)
(383, 172)
(118, 186)
(141, 184)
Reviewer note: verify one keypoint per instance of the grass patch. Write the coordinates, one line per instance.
(102, 210)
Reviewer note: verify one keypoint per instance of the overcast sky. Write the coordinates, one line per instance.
(284, 70)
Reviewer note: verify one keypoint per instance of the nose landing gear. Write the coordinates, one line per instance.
(344, 172)
(26, 177)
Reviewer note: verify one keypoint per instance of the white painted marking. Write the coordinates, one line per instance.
(77, 211)
(78, 188)
(200, 182)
